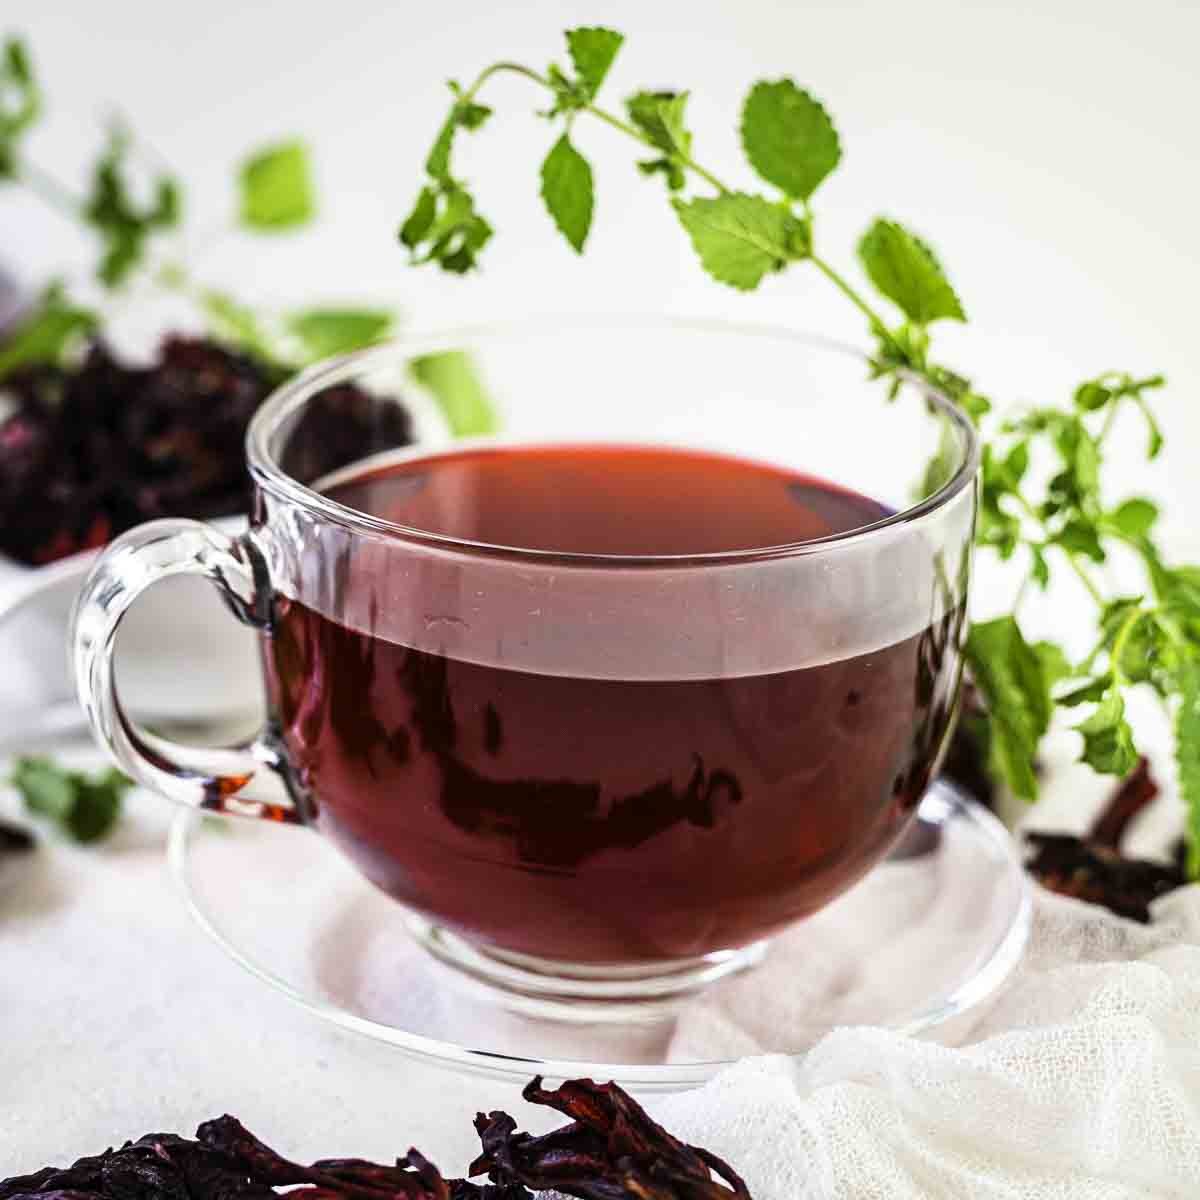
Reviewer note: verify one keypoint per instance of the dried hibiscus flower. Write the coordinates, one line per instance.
(611, 1151)
(1092, 867)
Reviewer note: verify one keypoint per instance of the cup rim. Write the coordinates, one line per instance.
(283, 402)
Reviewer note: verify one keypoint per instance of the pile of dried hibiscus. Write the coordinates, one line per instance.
(609, 1151)
(89, 451)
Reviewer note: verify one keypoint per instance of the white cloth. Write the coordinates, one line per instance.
(1082, 1079)
(117, 1016)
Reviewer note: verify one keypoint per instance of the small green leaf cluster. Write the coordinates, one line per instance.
(84, 808)
(123, 225)
(742, 236)
(20, 103)
(276, 193)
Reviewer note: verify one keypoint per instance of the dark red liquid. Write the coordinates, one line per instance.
(595, 819)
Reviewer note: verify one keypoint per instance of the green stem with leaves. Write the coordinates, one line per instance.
(743, 236)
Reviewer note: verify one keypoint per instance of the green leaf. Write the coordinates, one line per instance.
(904, 269)
(592, 50)
(456, 386)
(325, 332)
(1080, 537)
(277, 188)
(452, 235)
(124, 226)
(1088, 693)
(1010, 675)
(1039, 570)
(1155, 443)
(660, 116)
(420, 220)
(47, 334)
(1134, 518)
(464, 114)
(739, 237)
(1055, 665)
(1107, 738)
(84, 807)
(567, 191)
(1187, 756)
(1092, 395)
(789, 138)
(20, 103)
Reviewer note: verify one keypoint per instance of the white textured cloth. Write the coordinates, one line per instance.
(1081, 1080)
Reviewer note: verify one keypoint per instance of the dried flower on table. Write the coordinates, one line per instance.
(1092, 867)
(611, 1151)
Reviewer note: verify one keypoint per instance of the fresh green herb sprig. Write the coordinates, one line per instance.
(742, 236)
(85, 808)
(276, 193)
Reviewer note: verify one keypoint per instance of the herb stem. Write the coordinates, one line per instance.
(1071, 558)
(50, 190)
(684, 159)
(1135, 615)
(876, 321)
(1109, 418)
(600, 114)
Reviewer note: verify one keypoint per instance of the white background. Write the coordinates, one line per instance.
(1048, 150)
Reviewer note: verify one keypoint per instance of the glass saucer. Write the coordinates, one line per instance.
(925, 936)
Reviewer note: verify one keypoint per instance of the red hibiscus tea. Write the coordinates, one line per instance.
(583, 804)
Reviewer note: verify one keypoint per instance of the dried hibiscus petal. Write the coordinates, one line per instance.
(1092, 867)
(612, 1149)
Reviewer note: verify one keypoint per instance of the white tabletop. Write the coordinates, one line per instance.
(120, 1017)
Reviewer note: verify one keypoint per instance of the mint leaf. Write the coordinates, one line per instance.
(325, 332)
(83, 807)
(20, 103)
(1078, 536)
(1010, 675)
(904, 269)
(1092, 395)
(789, 138)
(123, 225)
(739, 237)
(420, 220)
(1134, 518)
(463, 115)
(1055, 665)
(660, 117)
(1088, 693)
(1107, 738)
(1187, 755)
(47, 334)
(455, 384)
(455, 233)
(567, 191)
(592, 50)
(277, 188)
(1039, 568)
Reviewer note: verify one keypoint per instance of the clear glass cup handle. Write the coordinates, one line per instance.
(218, 778)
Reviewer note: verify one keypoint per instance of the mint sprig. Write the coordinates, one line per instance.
(1064, 520)
(83, 807)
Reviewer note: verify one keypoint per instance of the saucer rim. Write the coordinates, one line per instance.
(947, 801)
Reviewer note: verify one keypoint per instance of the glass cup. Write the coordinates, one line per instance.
(585, 776)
